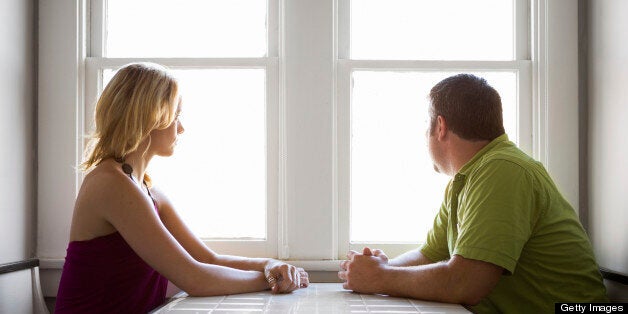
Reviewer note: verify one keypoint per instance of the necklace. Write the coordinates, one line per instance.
(126, 168)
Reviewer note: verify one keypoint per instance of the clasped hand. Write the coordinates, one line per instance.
(285, 278)
(362, 272)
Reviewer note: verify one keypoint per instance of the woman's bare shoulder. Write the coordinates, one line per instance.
(106, 191)
(102, 191)
(160, 197)
(104, 181)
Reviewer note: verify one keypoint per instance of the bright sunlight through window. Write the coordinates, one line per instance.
(217, 175)
(395, 192)
(432, 30)
(186, 28)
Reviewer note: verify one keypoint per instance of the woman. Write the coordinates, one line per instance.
(126, 239)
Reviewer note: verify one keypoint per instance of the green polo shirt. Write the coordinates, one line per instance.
(503, 208)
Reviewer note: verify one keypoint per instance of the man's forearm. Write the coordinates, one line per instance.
(410, 258)
(425, 282)
(458, 280)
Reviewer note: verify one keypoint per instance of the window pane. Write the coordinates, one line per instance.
(395, 192)
(432, 30)
(186, 28)
(217, 176)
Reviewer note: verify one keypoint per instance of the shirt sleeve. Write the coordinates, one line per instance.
(435, 247)
(496, 214)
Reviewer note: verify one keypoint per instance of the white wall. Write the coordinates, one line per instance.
(17, 96)
(17, 153)
(608, 126)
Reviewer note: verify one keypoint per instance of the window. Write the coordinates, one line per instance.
(222, 177)
(393, 184)
(391, 54)
(227, 83)
(297, 96)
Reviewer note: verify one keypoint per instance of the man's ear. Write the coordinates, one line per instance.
(441, 128)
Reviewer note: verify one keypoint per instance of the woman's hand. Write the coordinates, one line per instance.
(285, 278)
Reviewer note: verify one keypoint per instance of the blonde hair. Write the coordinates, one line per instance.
(140, 97)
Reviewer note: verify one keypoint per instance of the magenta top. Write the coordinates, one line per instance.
(105, 275)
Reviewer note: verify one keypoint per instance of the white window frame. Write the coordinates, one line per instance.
(309, 67)
(521, 66)
(96, 62)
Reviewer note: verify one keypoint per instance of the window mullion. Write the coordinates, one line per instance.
(343, 18)
(343, 157)
(97, 28)
(309, 69)
(522, 29)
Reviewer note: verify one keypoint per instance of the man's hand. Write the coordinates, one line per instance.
(362, 272)
(379, 253)
(345, 264)
(285, 278)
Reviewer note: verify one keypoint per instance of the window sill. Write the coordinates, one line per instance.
(309, 265)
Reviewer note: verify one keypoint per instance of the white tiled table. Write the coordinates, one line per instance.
(317, 298)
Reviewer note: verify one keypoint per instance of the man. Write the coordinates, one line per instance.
(504, 240)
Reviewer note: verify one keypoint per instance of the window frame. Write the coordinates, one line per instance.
(521, 66)
(309, 71)
(96, 62)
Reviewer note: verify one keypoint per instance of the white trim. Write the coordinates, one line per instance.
(413, 65)
(282, 220)
(93, 84)
(525, 109)
(273, 161)
(555, 83)
(97, 19)
(342, 29)
(80, 88)
(335, 226)
(276, 168)
(343, 142)
(539, 75)
(187, 62)
(273, 35)
(521, 12)
(309, 68)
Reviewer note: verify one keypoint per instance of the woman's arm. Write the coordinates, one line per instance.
(288, 277)
(131, 212)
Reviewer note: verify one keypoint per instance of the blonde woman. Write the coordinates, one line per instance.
(126, 239)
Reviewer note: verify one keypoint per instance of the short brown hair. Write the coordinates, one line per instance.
(471, 107)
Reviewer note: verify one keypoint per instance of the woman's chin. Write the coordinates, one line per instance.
(166, 153)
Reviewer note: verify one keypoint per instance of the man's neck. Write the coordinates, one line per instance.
(462, 151)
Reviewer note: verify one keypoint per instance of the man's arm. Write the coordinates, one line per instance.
(458, 280)
(410, 258)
